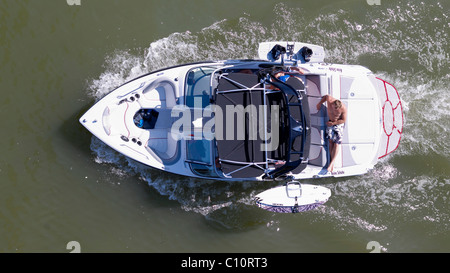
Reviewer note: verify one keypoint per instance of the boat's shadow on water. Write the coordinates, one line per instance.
(74, 133)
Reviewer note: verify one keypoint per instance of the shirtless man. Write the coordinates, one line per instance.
(337, 115)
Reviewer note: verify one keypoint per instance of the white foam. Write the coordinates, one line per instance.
(120, 68)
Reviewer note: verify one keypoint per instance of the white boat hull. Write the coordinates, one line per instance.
(372, 131)
(373, 128)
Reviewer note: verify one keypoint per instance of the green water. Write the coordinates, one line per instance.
(59, 184)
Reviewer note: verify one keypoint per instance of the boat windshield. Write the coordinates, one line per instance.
(200, 151)
(198, 87)
(199, 157)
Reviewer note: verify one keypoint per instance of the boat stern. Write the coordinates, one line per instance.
(391, 118)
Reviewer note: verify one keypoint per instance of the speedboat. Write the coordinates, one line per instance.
(240, 120)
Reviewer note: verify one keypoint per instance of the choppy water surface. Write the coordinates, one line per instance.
(60, 184)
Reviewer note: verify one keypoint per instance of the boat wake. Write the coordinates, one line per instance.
(411, 185)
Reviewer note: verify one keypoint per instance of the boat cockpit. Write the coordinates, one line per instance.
(247, 122)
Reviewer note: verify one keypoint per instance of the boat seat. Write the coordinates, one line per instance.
(158, 94)
(319, 146)
(316, 85)
(318, 120)
(162, 143)
(165, 120)
(318, 154)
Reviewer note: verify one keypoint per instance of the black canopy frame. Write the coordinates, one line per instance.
(299, 127)
(241, 159)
